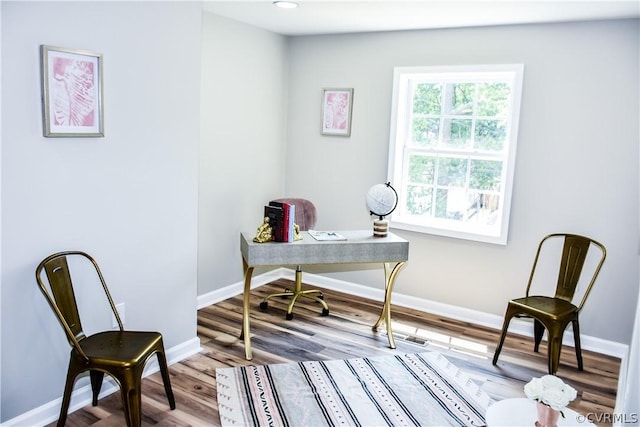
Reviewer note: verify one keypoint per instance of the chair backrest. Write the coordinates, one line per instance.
(62, 297)
(306, 214)
(574, 254)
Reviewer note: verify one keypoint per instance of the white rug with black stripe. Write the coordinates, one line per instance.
(401, 390)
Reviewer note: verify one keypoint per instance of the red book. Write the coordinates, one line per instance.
(287, 221)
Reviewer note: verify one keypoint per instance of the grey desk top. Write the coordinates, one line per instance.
(360, 247)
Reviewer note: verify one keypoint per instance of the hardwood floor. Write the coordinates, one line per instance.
(347, 333)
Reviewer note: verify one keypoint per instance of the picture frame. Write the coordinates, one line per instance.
(72, 92)
(337, 105)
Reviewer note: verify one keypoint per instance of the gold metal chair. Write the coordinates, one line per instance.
(305, 218)
(555, 313)
(118, 353)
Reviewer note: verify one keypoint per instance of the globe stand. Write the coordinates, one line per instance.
(382, 199)
(380, 228)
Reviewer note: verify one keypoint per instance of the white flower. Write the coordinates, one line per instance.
(534, 388)
(555, 398)
(551, 391)
(570, 392)
(552, 382)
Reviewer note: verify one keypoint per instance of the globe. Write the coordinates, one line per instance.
(382, 199)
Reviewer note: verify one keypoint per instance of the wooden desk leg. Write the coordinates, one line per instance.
(246, 307)
(390, 278)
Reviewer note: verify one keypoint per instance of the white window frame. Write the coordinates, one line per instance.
(400, 131)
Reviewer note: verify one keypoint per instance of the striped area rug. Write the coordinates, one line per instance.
(401, 390)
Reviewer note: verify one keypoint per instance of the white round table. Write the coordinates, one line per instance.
(522, 412)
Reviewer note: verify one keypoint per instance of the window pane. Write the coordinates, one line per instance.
(450, 203)
(457, 133)
(426, 131)
(493, 99)
(485, 209)
(490, 135)
(419, 200)
(459, 98)
(452, 171)
(422, 169)
(426, 99)
(485, 175)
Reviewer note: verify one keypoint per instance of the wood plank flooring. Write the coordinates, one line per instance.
(346, 333)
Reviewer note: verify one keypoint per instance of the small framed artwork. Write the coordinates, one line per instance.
(336, 111)
(72, 92)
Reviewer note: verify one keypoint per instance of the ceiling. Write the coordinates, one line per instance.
(336, 16)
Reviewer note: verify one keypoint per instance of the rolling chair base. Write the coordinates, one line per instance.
(295, 294)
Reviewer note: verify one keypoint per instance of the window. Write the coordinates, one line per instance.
(452, 149)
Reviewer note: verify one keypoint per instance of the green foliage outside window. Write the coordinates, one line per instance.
(426, 98)
(463, 117)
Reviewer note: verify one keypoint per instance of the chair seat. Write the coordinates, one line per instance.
(120, 348)
(548, 307)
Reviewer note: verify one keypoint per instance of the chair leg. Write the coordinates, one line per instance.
(576, 338)
(66, 396)
(555, 332)
(505, 327)
(130, 383)
(538, 332)
(294, 298)
(164, 370)
(555, 347)
(96, 385)
(319, 299)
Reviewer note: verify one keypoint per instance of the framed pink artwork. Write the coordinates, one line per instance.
(336, 111)
(72, 93)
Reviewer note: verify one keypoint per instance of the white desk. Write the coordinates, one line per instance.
(522, 412)
(360, 247)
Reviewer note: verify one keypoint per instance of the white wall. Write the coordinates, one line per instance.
(130, 198)
(577, 160)
(242, 144)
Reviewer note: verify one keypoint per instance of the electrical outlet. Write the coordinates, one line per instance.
(120, 308)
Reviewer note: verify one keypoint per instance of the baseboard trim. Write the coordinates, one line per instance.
(48, 413)
(520, 327)
(238, 288)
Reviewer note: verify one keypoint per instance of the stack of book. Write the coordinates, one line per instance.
(281, 216)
